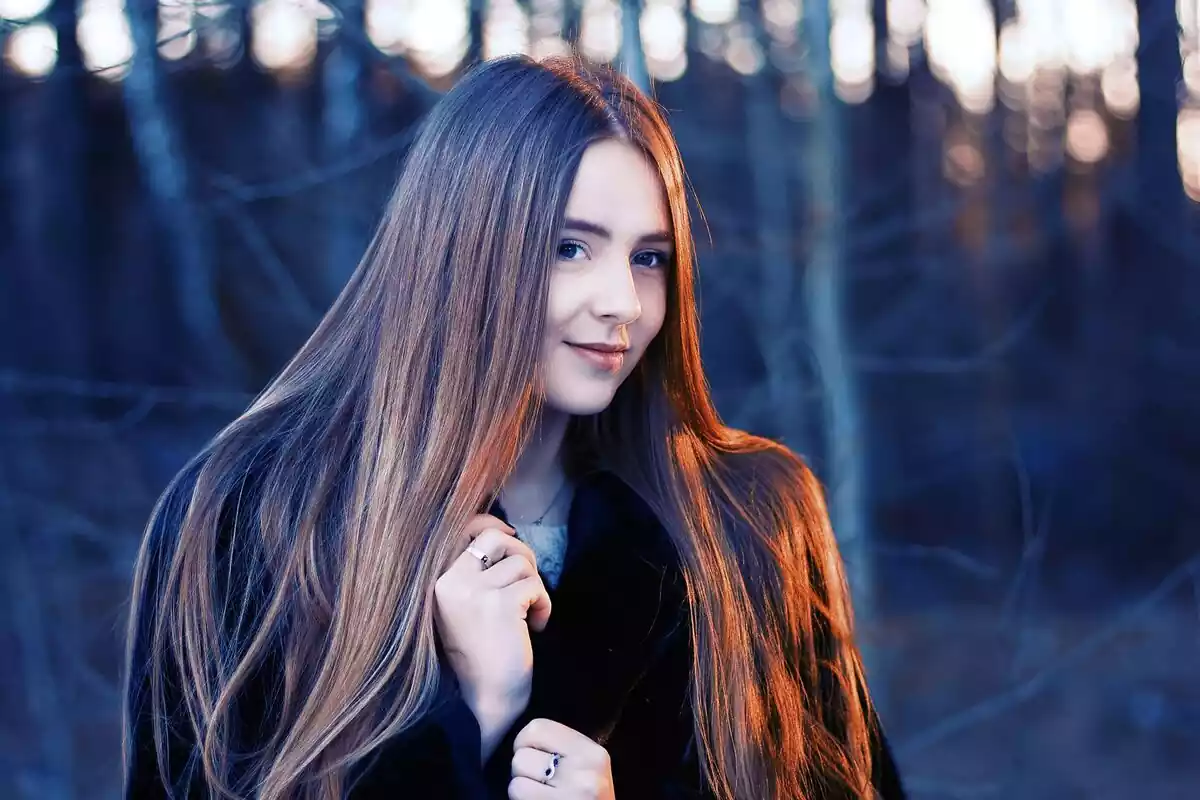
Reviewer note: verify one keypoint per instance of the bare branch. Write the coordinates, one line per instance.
(951, 365)
(1034, 533)
(946, 555)
(996, 705)
(41, 691)
(918, 786)
(368, 156)
(280, 275)
(17, 382)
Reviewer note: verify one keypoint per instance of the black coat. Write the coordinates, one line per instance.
(613, 663)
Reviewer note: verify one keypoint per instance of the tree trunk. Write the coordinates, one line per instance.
(633, 57)
(62, 221)
(343, 122)
(163, 167)
(476, 15)
(780, 328)
(823, 285)
(572, 22)
(1160, 192)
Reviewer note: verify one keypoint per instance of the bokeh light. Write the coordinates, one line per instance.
(781, 18)
(176, 30)
(1047, 51)
(32, 50)
(963, 163)
(1119, 87)
(506, 30)
(742, 52)
(285, 37)
(387, 25)
(104, 38)
(1097, 32)
(852, 53)
(600, 36)
(440, 31)
(1017, 59)
(664, 39)
(20, 10)
(1087, 136)
(960, 37)
(715, 12)
(1191, 74)
(906, 21)
(1188, 134)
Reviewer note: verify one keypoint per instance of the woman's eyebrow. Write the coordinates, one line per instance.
(583, 226)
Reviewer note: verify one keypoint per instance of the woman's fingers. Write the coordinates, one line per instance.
(481, 522)
(522, 788)
(554, 737)
(550, 753)
(480, 554)
(508, 571)
(529, 594)
(495, 543)
(537, 764)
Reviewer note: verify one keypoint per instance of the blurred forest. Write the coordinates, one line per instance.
(948, 252)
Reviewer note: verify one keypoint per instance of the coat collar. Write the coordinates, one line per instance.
(605, 515)
(619, 597)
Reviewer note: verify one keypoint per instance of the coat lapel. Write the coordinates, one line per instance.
(619, 595)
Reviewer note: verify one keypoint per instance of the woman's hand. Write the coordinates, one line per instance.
(483, 612)
(553, 761)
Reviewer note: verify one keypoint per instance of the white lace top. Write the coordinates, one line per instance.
(549, 544)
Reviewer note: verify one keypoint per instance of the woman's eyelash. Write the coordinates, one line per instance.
(663, 258)
(569, 243)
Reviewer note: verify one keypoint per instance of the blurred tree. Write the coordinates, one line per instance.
(68, 232)
(842, 442)
(632, 59)
(476, 14)
(572, 21)
(1159, 192)
(344, 125)
(183, 229)
(933, 215)
(780, 329)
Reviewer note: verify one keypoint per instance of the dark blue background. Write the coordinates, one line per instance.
(1023, 355)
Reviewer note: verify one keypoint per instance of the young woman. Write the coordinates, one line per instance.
(485, 535)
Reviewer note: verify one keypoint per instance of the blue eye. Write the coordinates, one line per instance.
(568, 250)
(641, 258)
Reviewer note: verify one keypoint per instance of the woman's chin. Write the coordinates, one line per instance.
(581, 401)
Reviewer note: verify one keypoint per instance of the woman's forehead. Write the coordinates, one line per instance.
(616, 187)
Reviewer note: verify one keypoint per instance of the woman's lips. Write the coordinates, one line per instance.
(607, 361)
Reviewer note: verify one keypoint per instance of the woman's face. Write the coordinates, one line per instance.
(608, 285)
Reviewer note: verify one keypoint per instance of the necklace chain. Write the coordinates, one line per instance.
(553, 501)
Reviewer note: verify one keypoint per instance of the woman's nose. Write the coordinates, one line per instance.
(614, 294)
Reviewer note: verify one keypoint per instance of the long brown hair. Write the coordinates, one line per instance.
(315, 525)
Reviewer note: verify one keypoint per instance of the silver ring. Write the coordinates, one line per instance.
(550, 770)
(482, 556)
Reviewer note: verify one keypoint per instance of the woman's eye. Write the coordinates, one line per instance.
(570, 251)
(651, 258)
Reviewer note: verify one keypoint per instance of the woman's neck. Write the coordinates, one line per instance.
(539, 474)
